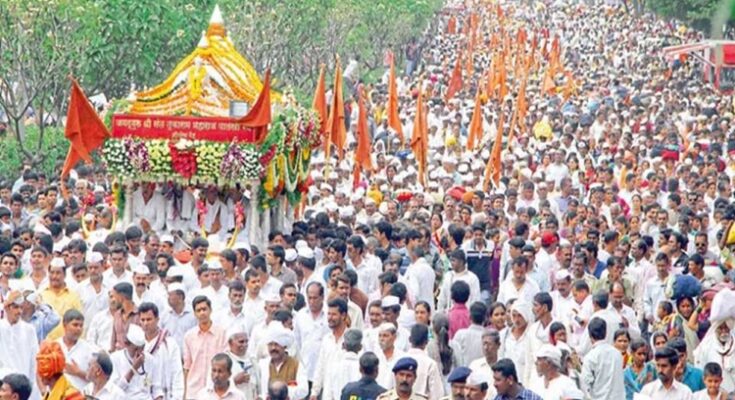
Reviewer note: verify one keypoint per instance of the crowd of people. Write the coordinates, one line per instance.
(599, 265)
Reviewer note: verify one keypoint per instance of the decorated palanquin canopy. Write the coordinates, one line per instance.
(206, 81)
(181, 131)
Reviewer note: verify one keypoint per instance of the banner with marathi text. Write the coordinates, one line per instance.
(171, 127)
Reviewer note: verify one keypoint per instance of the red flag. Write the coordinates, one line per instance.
(84, 129)
(337, 131)
(259, 116)
(475, 133)
(452, 25)
(455, 82)
(419, 139)
(363, 162)
(393, 119)
(319, 104)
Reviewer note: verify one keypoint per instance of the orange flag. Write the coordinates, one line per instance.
(455, 81)
(84, 129)
(419, 139)
(393, 119)
(363, 162)
(493, 167)
(336, 125)
(475, 133)
(549, 85)
(259, 116)
(319, 104)
(570, 87)
(452, 25)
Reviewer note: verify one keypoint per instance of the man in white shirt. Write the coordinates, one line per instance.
(94, 291)
(134, 370)
(367, 273)
(217, 291)
(330, 350)
(420, 276)
(666, 387)
(459, 272)
(142, 293)
(613, 321)
(548, 366)
(653, 293)
(233, 315)
(310, 327)
(178, 317)
(601, 376)
(77, 352)
(221, 387)
(100, 386)
(253, 301)
(164, 349)
(149, 208)
(428, 381)
(518, 286)
(118, 271)
(347, 367)
(19, 345)
(388, 355)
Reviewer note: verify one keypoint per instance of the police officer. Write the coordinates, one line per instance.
(457, 379)
(366, 388)
(404, 372)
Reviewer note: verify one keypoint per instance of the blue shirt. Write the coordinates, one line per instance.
(524, 394)
(44, 320)
(693, 377)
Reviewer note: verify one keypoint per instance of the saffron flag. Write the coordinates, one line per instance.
(84, 129)
(475, 133)
(319, 104)
(393, 119)
(259, 117)
(455, 81)
(493, 167)
(419, 139)
(363, 162)
(336, 125)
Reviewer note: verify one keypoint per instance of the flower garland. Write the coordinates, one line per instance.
(183, 158)
(117, 162)
(209, 157)
(160, 157)
(138, 153)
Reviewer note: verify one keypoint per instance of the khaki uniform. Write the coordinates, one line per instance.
(392, 395)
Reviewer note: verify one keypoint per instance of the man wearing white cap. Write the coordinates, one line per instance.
(388, 354)
(93, 291)
(280, 366)
(259, 332)
(134, 370)
(478, 386)
(165, 350)
(564, 304)
(216, 291)
(142, 293)
(19, 346)
(549, 367)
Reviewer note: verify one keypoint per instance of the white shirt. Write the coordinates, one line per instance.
(421, 277)
(255, 307)
(18, 348)
(367, 275)
(208, 393)
(178, 324)
(330, 353)
(345, 370)
(92, 301)
(81, 354)
(271, 287)
(99, 330)
(145, 383)
(309, 332)
(154, 211)
(468, 341)
(108, 392)
(226, 319)
(555, 388)
(445, 298)
(385, 368)
(508, 290)
(656, 391)
(220, 298)
(168, 356)
(602, 377)
(653, 294)
(428, 376)
(111, 279)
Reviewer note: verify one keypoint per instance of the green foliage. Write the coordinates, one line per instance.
(698, 13)
(54, 147)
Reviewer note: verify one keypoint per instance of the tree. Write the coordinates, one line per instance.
(39, 42)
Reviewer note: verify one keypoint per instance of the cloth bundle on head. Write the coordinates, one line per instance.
(723, 305)
(523, 308)
(278, 334)
(683, 286)
(50, 359)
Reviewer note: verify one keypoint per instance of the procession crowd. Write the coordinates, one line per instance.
(599, 265)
